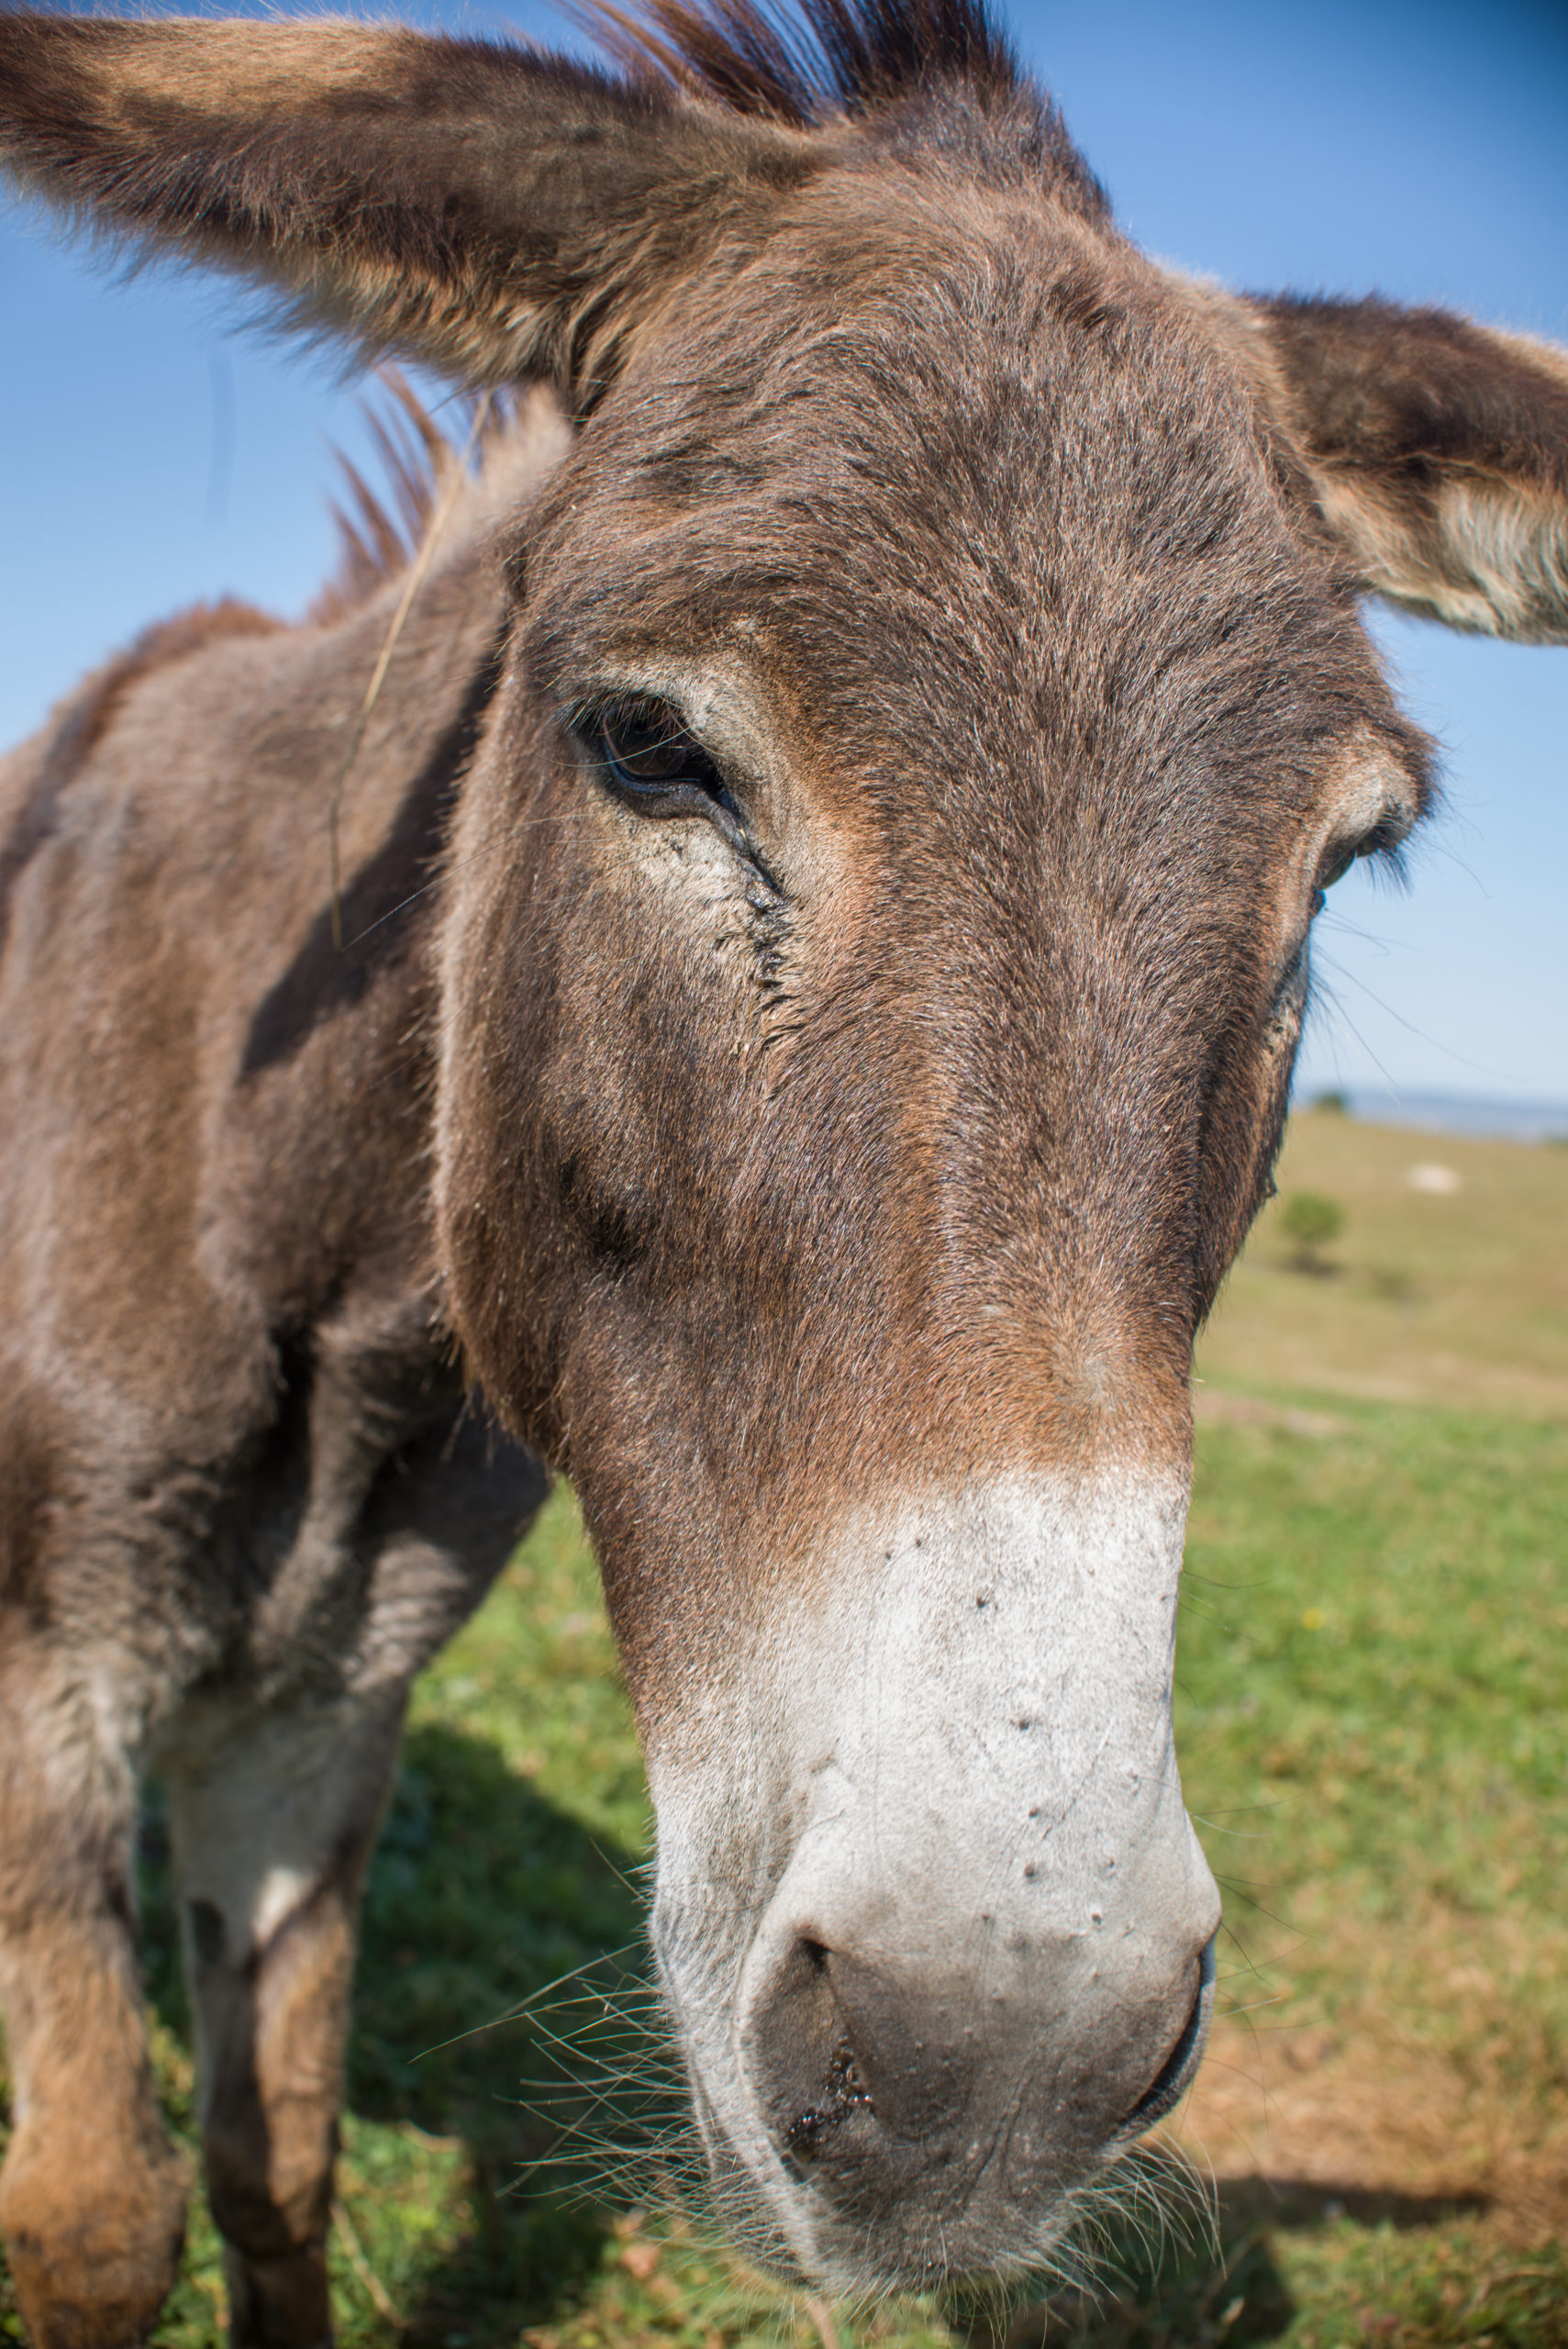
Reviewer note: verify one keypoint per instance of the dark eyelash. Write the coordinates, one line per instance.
(1383, 846)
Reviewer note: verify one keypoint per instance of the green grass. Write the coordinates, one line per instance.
(1375, 1645)
(1372, 1715)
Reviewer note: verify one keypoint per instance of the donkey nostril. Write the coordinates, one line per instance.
(813, 2065)
(1179, 2066)
(842, 2093)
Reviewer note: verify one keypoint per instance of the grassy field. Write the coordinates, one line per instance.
(1373, 1726)
(1455, 1295)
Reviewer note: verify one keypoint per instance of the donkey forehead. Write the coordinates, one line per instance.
(982, 368)
(991, 493)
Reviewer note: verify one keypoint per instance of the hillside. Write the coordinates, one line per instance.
(1456, 1296)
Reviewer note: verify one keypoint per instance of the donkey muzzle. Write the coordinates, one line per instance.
(944, 2116)
(941, 1943)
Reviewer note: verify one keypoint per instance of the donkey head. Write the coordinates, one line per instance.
(873, 954)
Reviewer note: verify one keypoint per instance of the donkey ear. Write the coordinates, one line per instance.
(491, 211)
(1439, 454)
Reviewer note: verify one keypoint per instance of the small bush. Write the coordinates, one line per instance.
(1310, 1222)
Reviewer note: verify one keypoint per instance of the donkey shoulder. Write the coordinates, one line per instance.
(216, 1099)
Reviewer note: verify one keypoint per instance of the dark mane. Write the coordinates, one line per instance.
(817, 59)
(380, 530)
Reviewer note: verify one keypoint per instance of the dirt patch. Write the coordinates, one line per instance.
(1300, 2113)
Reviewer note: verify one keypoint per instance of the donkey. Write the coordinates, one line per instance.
(828, 840)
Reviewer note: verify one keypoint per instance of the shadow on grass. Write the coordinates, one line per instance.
(480, 1896)
(1299, 2205)
(1199, 2294)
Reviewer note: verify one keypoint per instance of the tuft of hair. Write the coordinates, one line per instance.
(380, 530)
(942, 71)
(820, 59)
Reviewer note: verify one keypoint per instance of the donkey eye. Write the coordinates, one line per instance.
(1335, 867)
(646, 756)
(1382, 842)
(649, 761)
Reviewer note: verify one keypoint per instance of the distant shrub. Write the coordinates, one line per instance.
(1310, 1222)
(1337, 1104)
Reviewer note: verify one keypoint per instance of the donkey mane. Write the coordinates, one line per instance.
(821, 59)
(818, 61)
(380, 530)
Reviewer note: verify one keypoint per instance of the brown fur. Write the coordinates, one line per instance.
(907, 1139)
(76, 727)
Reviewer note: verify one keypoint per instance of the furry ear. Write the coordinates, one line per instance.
(1438, 453)
(490, 211)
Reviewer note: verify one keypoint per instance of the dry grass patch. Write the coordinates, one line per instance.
(1440, 2082)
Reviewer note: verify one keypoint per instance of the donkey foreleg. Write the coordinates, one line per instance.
(92, 2195)
(274, 1815)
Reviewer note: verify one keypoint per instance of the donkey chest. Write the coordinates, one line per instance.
(361, 1527)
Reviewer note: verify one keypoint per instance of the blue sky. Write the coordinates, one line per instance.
(154, 455)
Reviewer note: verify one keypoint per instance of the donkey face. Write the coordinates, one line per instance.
(872, 955)
(941, 718)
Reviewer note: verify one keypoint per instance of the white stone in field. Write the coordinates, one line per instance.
(1441, 1181)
